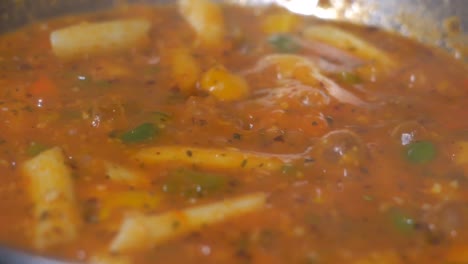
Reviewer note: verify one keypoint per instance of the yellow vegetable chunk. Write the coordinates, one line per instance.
(210, 158)
(294, 67)
(185, 70)
(96, 38)
(281, 22)
(206, 18)
(139, 232)
(50, 186)
(224, 85)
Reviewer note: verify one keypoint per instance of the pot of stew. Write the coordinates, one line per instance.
(198, 131)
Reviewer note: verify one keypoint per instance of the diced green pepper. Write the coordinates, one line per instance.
(82, 80)
(243, 245)
(268, 237)
(237, 136)
(350, 78)
(401, 221)
(312, 218)
(311, 259)
(176, 97)
(420, 152)
(35, 149)
(70, 114)
(103, 83)
(193, 184)
(152, 70)
(289, 169)
(283, 43)
(143, 132)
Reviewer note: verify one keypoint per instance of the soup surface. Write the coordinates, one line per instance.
(205, 133)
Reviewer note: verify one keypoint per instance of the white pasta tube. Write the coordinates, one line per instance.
(96, 38)
(347, 41)
(140, 232)
(51, 189)
(119, 173)
(210, 158)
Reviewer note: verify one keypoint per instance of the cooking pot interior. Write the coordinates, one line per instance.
(434, 22)
(442, 23)
(422, 18)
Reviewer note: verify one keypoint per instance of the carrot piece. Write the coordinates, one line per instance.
(43, 87)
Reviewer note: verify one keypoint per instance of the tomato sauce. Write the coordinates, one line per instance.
(372, 143)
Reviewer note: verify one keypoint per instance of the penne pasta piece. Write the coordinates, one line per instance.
(97, 38)
(209, 157)
(51, 189)
(139, 232)
(347, 41)
(138, 200)
(118, 173)
(206, 19)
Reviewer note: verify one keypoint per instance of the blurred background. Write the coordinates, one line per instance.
(436, 22)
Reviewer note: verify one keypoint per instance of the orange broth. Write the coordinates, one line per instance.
(382, 180)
